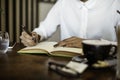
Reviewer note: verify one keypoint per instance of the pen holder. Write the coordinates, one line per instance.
(118, 54)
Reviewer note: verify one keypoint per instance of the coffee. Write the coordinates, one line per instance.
(95, 50)
(96, 42)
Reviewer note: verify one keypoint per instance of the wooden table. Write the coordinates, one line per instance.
(14, 66)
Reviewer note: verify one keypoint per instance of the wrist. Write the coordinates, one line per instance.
(36, 37)
(39, 38)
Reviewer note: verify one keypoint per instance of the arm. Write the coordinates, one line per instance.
(49, 25)
(46, 28)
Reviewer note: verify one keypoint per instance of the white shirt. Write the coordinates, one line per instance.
(94, 19)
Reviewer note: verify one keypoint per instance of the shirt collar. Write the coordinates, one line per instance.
(89, 4)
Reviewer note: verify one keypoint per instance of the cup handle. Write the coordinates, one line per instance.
(113, 51)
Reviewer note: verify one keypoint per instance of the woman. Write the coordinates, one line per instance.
(78, 20)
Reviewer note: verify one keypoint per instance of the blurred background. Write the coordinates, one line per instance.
(14, 13)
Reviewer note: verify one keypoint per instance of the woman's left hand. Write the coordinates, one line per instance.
(70, 42)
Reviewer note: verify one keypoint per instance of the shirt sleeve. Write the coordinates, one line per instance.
(49, 25)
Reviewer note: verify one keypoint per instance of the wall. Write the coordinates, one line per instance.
(16, 13)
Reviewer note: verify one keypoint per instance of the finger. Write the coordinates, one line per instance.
(74, 40)
(24, 34)
(24, 43)
(25, 39)
(70, 42)
(27, 43)
(73, 45)
(22, 38)
(60, 44)
(69, 45)
(70, 39)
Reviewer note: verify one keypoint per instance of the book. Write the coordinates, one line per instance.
(49, 49)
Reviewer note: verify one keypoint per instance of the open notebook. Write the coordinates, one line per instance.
(49, 49)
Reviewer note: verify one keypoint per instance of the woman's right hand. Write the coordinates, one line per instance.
(29, 40)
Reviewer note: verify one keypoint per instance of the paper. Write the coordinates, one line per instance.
(75, 66)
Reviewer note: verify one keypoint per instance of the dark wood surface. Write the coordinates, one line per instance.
(14, 66)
